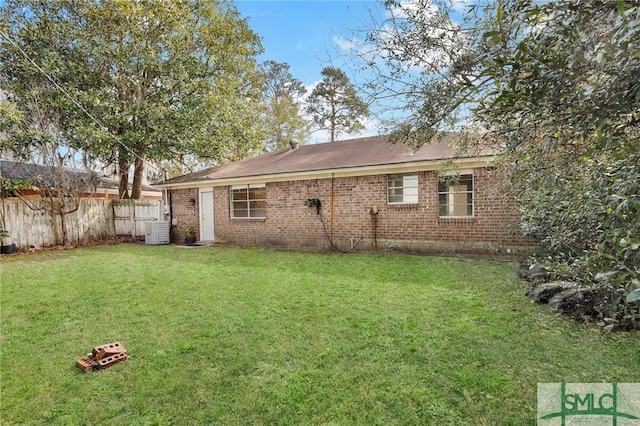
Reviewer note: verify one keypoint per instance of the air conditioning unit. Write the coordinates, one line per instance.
(156, 232)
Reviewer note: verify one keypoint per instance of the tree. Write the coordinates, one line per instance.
(515, 71)
(335, 105)
(10, 116)
(134, 82)
(555, 87)
(282, 119)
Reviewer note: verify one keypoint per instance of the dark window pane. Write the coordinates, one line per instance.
(239, 194)
(396, 191)
(240, 212)
(467, 180)
(257, 193)
(258, 213)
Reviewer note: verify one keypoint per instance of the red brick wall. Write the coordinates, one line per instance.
(184, 212)
(290, 224)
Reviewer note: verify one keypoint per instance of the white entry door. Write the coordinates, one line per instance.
(206, 215)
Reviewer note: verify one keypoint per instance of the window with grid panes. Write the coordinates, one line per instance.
(402, 188)
(455, 196)
(249, 201)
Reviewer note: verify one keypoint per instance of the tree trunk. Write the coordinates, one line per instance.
(63, 226)
(123, 174)
(136, 191)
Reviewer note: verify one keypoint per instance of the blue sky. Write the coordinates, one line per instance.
(312, 34)
(303, 33)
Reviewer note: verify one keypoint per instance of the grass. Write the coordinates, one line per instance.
(228, 336)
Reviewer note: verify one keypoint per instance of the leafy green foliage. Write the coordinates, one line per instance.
(335, 104)
(135, 81)
(282, 117)
(10, 187)
(10, 116)
(569, 113)
(594, 209)
(553, 86)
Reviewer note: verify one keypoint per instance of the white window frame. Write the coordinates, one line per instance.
(410, 183)
(451, 195)
(247, 188)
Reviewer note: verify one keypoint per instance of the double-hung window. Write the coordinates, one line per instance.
(249, 201)
(402, 188)
(455, 196)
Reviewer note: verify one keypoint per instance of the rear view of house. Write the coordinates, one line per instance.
(362, 192)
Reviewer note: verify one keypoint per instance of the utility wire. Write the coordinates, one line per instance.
(355, 246)
(75, 102)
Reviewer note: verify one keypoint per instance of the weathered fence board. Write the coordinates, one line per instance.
(34, 223)
(129, 216)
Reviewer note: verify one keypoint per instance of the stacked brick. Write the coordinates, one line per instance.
(103, 356)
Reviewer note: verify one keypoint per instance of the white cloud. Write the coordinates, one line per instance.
(461, 5)
(322, 136)
(413, 34)
(302, 45)
(346, 45)
(410, 9)
(428, 7)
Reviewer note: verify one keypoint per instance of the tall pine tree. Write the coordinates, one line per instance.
(335, 105)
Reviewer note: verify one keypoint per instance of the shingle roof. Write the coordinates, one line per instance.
(45, 176)
(353, 153)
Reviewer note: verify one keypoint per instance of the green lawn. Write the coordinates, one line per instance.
(228, 336)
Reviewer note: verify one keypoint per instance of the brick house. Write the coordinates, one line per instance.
(362, 192)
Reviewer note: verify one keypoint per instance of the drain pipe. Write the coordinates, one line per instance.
(374, 222)
(170, 201)
(333, 205)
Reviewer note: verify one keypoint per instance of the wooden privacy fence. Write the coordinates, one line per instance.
(129, 216)
(36, 224)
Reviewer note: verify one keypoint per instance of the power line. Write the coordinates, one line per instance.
(75, 102)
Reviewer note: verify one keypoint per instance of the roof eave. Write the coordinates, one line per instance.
(407, 167)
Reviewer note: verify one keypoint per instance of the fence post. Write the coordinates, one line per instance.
(132, 206)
